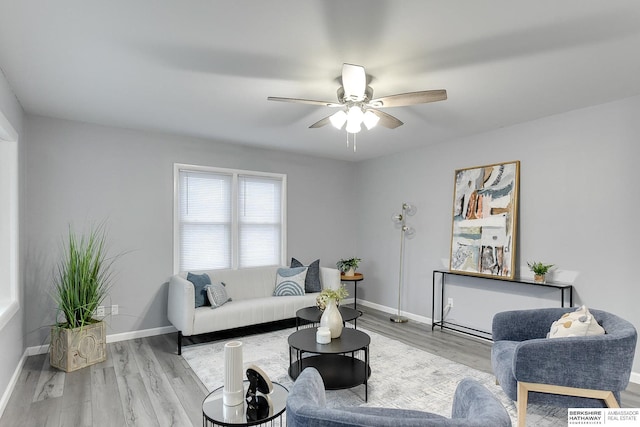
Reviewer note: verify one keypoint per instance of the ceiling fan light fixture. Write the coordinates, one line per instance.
(356, 104)
(338, 119)
(355, 114)
(370, 119)
(354, 119)
(353, 126)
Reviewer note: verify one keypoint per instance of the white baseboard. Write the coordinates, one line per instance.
(390, 310)
(12, 384)
(41, 349)
(141, 334)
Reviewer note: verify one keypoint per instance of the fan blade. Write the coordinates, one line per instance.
(320, 123)
(354, 82)
(386, 120)
(410, 98)
(304, 101)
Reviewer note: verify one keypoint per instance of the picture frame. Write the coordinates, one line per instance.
(484, 220)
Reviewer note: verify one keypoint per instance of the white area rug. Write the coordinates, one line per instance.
(401, 376)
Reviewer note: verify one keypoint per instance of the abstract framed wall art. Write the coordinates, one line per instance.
(485, 214)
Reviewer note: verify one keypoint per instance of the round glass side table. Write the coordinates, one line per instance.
(216, 413)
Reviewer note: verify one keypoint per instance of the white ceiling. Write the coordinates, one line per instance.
(205, 68)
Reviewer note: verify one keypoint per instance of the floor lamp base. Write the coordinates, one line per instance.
(399, 319)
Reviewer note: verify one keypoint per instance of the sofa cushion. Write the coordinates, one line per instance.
(217, 294)
(290, 281)
(579, 323)
(312, 281)
(252, 311)
(245, 283)
(200, 282)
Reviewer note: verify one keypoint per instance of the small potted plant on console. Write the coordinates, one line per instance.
(540, 271)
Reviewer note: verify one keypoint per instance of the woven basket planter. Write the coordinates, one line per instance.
(73, 349)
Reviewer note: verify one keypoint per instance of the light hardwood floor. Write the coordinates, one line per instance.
(145, 383)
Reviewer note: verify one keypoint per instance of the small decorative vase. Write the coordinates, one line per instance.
(539, 278)
(350, 272)
(332, 319)
(233, 391)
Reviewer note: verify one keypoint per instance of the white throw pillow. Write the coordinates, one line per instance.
(290, 281)
(579, 323)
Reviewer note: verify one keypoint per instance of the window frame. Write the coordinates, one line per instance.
(235, 173)
(9, 162)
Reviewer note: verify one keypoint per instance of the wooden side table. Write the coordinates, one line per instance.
(357, 277)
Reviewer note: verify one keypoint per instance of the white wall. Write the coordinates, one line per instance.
(578, 209)
(80, 173)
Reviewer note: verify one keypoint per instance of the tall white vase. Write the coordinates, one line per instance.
(332, 319)
(233, 392)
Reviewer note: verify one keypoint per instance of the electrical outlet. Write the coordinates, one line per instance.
(450, 302)
(114, 309)
(100, 311)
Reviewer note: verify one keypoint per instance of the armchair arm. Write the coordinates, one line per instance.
(308, 389)
(522, 325)
(473, 402)
(181, 304)
(600, 362)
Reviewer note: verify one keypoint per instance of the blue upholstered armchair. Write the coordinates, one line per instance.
(473, 406)
(572, 372)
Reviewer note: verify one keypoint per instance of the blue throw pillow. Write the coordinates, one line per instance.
(290, 281)
(200, 281)
(312, 281)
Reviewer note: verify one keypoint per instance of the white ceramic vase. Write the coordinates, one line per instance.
(332, 319)
(233, 391)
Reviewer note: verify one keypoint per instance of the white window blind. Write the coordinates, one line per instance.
(205, 220)
(228, 219)
(259, 220)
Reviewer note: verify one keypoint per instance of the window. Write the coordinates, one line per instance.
(228, 218)
(8, 221)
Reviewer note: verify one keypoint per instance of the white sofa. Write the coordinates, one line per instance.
(251, 291)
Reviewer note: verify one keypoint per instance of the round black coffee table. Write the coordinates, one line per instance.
(313, 314)
(337, 362)
(215, 413)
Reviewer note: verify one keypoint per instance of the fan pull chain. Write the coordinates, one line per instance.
(354, 141)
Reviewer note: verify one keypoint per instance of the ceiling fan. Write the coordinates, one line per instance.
(357, 105)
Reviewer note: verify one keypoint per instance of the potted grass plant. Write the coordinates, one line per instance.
(81, 282)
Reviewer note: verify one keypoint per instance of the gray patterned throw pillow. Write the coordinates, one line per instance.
(217, 294)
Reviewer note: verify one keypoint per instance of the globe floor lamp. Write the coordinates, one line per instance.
(408, 232)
